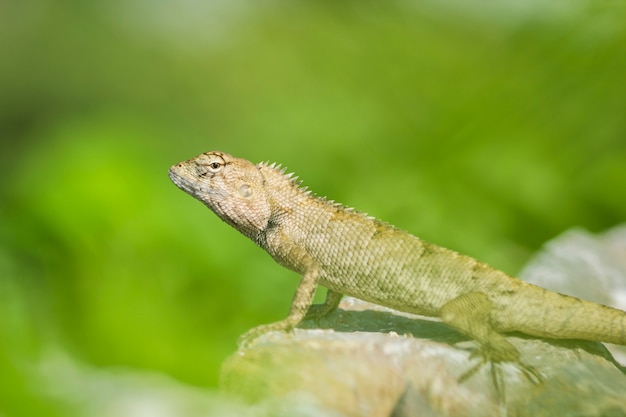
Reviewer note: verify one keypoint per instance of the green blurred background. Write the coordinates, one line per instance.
(488, 127)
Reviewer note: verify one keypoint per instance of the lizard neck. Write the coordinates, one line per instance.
(293, 212)
(287, 200)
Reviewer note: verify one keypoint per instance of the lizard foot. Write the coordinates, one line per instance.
(246, 340)
(472, 313)
(494, 357)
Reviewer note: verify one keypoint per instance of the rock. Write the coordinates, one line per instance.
(367, 360)
(375, 362)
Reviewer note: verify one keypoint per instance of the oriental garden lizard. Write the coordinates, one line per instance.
(350, 253)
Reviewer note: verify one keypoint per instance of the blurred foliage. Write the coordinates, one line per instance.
(487, 128)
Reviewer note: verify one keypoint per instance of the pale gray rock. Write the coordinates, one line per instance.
(367, 360)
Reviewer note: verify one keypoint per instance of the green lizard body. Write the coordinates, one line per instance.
(351, 253)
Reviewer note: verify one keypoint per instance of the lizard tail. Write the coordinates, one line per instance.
(557, 316)
(605, 324)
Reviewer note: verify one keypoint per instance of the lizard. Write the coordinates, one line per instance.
(351, 253)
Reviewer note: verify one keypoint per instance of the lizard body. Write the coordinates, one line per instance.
(351, 253)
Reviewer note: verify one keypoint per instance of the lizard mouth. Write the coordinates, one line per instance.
(191, 185)
(180, 181)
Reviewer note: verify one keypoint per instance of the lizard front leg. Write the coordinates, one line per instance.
(470, 313)
(302, 300)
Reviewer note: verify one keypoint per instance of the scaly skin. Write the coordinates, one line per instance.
(353, 254)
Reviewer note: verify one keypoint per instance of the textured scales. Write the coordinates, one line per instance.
(351, 253)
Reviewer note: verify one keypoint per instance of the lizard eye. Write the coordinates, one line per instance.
(214, 166)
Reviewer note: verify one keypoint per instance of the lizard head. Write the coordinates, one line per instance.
(232, 188)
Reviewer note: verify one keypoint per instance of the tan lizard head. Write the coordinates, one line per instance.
(232, 188)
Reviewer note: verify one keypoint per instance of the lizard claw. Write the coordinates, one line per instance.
(494, 358)
(532, 374)
(247, 339)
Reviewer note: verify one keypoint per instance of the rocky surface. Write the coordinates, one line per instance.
(366, 360)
